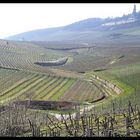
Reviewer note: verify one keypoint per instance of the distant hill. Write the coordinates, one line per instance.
(59, 33)
(88, 30)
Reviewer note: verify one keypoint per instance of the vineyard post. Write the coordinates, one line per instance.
(75, 133)
(91, 120)
(83, 125)
(127, 127)
(66, 125)
(111, 126)
(71, 121)
(131, 108)
(138, 114)
(98, 126)
(113, 107)
(106, 126)
(76, 121)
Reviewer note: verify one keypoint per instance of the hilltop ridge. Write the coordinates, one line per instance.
(91, 29)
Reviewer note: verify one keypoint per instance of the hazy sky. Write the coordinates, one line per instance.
(17, 18)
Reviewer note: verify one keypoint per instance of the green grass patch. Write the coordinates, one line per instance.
(126, 81)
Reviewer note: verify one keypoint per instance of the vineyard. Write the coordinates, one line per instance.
(25, 80)
(36, 86)
(18, 121)
(23, 55)
(93, 89)
(21, 78)
(124, 122)
(102, 58)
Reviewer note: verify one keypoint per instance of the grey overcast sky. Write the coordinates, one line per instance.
(18, 18)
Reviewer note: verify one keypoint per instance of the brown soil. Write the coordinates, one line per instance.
(48, 105)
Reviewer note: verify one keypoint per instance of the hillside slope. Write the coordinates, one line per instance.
(88, 30)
